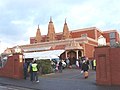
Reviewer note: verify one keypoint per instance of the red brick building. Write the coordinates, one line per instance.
(79, 42)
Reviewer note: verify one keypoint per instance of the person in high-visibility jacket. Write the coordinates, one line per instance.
(94, 64)
(35, 70)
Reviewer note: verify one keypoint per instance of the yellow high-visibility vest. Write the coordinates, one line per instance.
(34, 67)
(94, 62)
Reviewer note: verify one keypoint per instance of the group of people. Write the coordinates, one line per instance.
(32, 69)
(59, 66)
(84, 64)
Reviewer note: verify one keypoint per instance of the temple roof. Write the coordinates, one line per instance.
(73, 45)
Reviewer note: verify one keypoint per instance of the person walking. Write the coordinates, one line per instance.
(35, 70)
(85, 68)
(67, 62)
(60, 66)
(30, 70)
(94, 64)
(77, 64)
(25, 69)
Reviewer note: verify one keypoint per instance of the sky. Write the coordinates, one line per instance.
(19, 19)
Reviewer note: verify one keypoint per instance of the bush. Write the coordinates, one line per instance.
(44, 66)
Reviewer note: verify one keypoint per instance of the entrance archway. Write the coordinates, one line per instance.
(80, 53)
(72, 56)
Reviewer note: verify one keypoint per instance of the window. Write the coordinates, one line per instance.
(84, 35)
(112, 35)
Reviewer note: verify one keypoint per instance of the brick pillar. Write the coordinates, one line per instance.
(18, 66)
(103, 67)
(108, 65)
(115, 65)
(13, 67)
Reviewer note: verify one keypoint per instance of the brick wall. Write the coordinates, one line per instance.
(108, 66)
(13, 68)
(115, 65)
(89, 51)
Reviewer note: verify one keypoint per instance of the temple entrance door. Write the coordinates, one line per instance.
(79, 53)
(72, 57)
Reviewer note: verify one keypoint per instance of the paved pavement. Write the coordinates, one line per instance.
(9, 87)
(70, 79)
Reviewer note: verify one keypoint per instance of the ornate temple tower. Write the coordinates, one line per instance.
(66, 33)
(38, 36)
(51, 31)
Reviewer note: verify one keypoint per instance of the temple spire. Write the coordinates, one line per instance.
(51, 31)
(38, 26)
(51, 19)
(38, 35)
(66, 33)
(65, 21)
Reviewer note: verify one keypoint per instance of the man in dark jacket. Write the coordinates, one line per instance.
(60, 66)
(85, 68)
(25, 69)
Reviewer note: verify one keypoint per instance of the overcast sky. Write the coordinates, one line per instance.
(19, 18)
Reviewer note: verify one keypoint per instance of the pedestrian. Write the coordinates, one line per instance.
(67, 62)
(35, 71)
(30, 70)
(80, 62)
(60, 66)
(77, 64)
(94, 64)
(25, 69)
(85, 68)
(56, 66)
